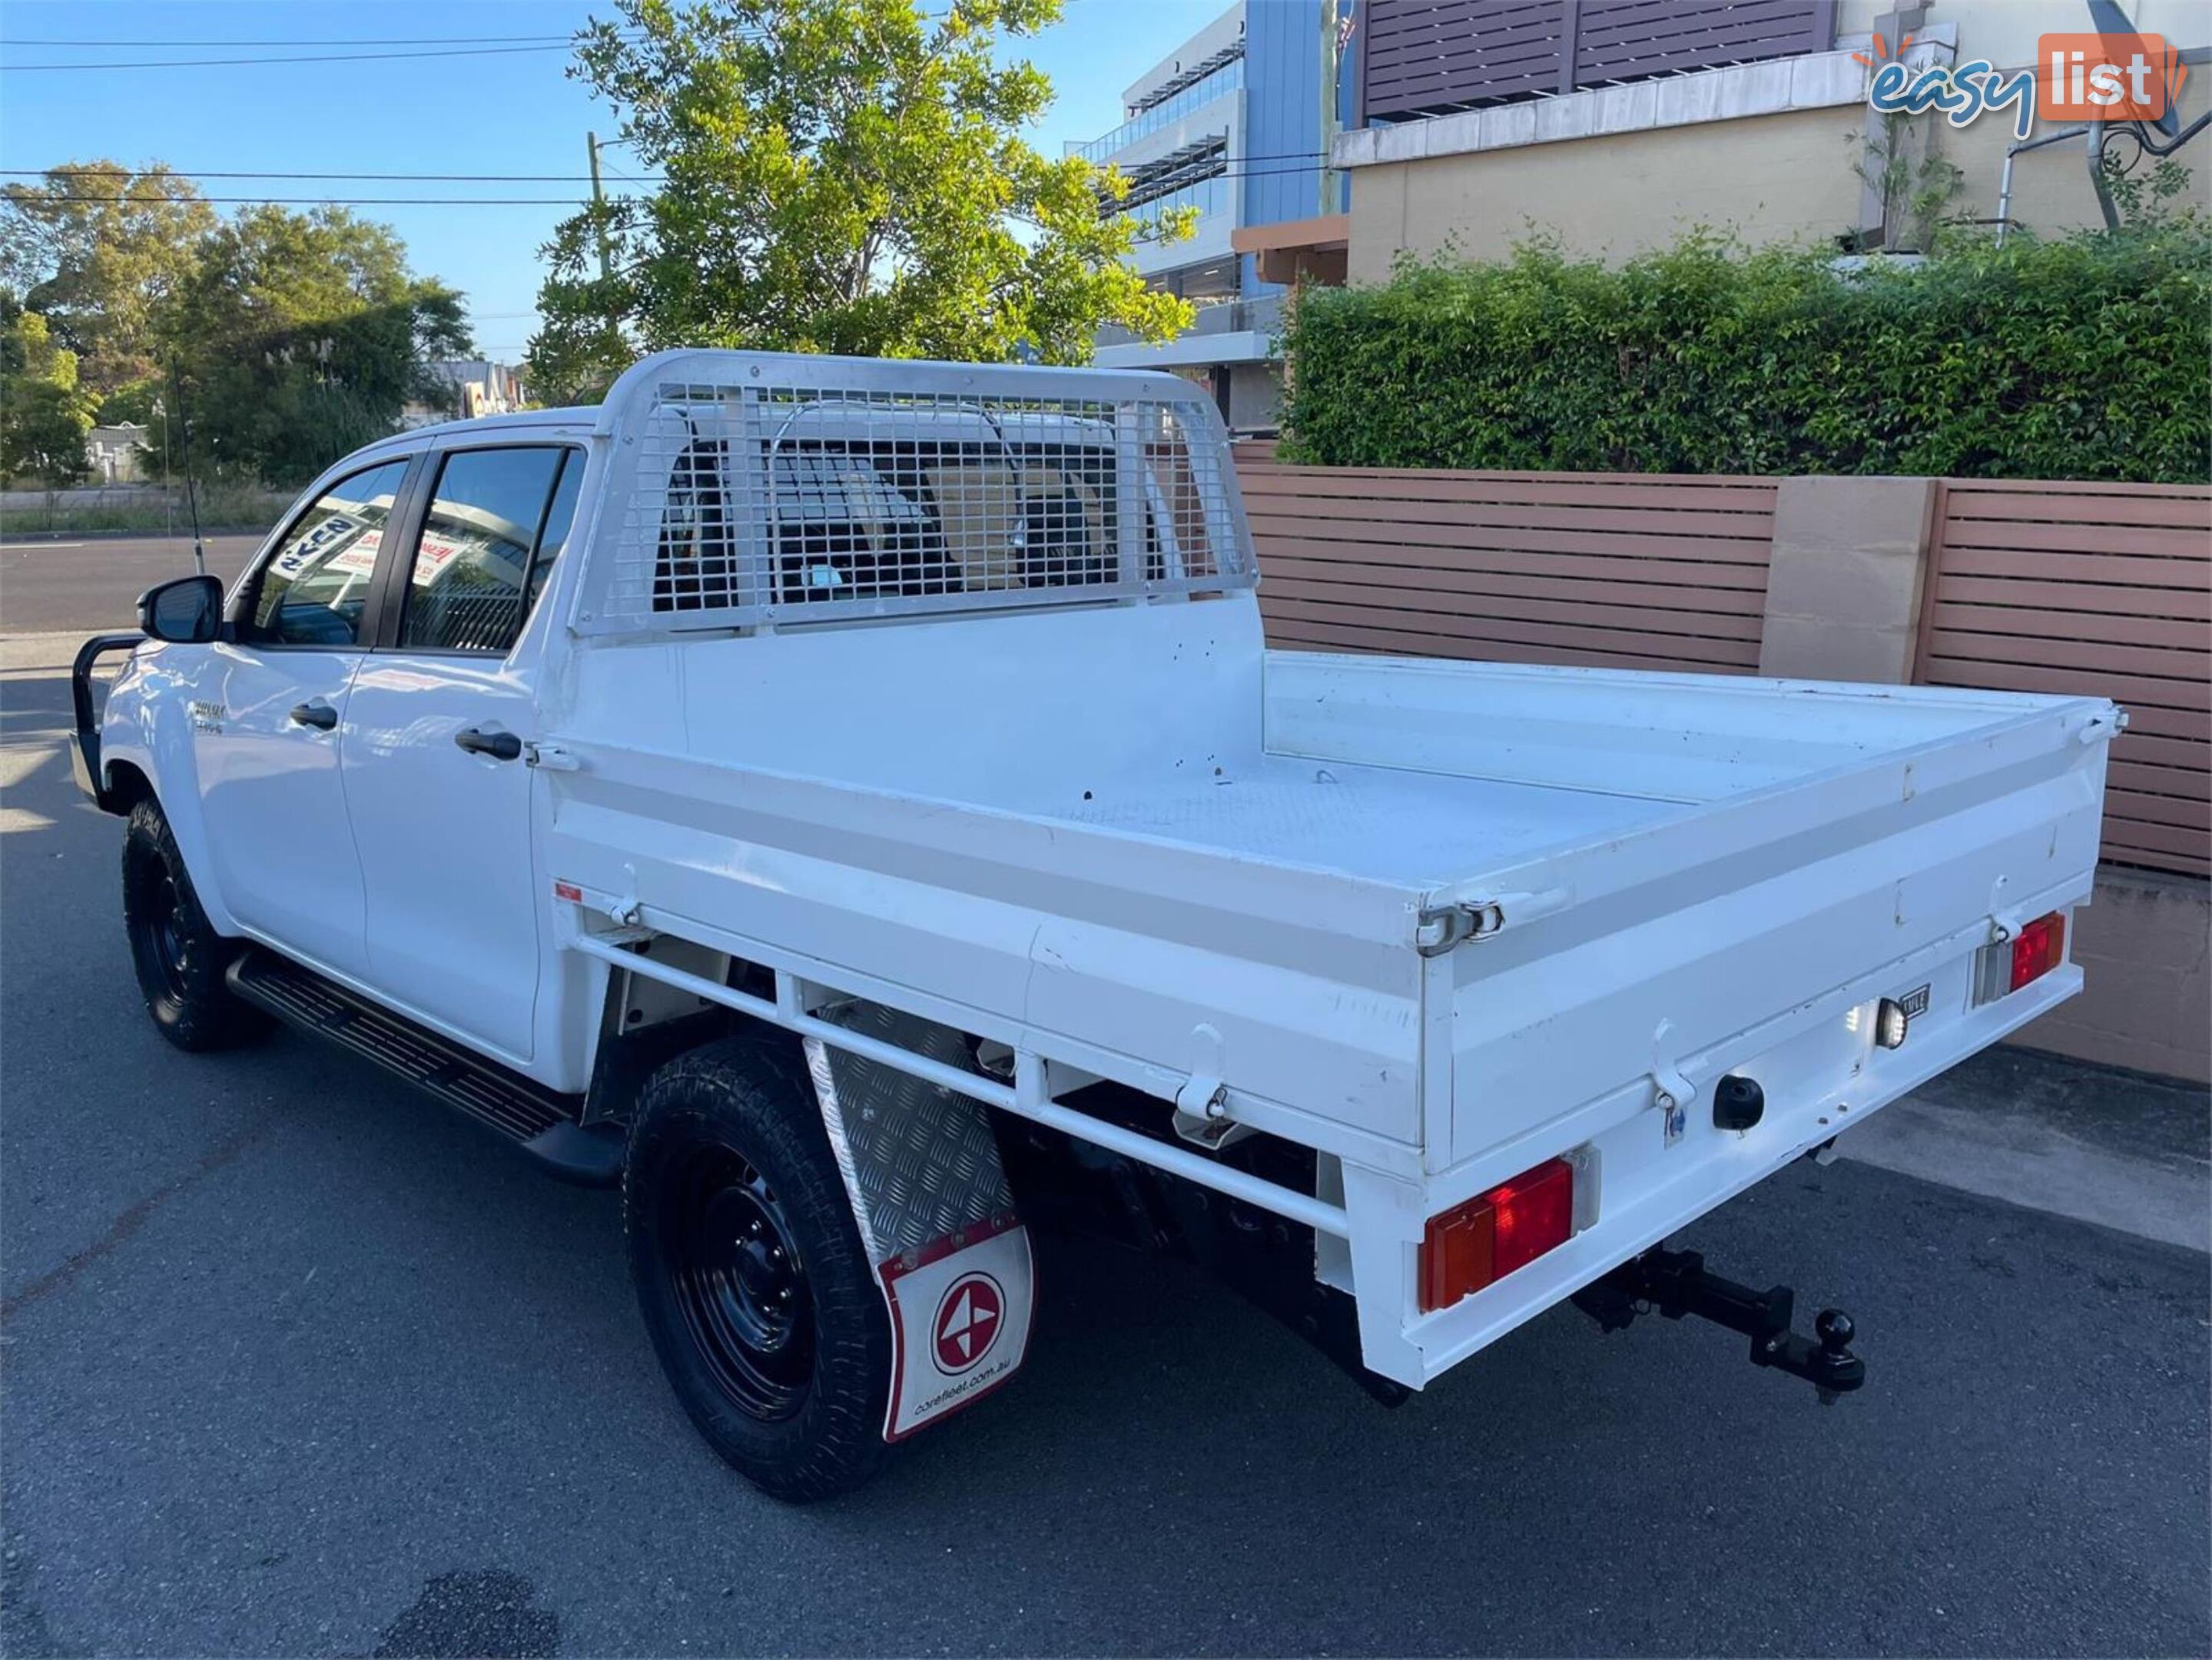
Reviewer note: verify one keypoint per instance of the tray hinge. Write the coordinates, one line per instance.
(1437, 929)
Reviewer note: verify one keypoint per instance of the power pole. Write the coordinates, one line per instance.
(599, 224)
(599, 201)
(1332, 53)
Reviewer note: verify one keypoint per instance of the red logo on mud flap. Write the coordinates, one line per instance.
(969, 1317)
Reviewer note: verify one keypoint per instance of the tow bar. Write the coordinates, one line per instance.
(1675, 1283)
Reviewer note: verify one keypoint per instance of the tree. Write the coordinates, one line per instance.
(97, 250)
(299, 337)
(44, 413)
(843, 176)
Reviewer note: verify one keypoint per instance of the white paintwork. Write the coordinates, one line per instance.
(1126, 840)
(273, 800)
(455, 896)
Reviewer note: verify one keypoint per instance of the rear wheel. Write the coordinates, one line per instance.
(749, 1269)
(178, 957)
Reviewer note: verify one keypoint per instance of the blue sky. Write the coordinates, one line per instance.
(507, 111)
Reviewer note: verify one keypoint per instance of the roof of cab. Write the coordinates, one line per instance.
(577, 417)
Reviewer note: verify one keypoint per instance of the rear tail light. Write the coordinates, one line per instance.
(2037, 948)
(1481, 1241)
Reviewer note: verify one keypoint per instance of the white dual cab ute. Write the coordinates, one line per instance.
(852, 805)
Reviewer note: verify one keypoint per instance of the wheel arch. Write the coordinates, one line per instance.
(644, 1024)
(127, 786)
(164, 772)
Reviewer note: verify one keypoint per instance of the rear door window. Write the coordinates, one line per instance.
(498, 520)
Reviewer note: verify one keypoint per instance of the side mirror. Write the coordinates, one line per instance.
(187, 612)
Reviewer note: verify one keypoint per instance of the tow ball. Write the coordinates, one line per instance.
(1675, 1283)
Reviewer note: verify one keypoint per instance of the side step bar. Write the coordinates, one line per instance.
(540, 1121)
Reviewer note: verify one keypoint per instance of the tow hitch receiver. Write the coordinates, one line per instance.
(1675, 1283)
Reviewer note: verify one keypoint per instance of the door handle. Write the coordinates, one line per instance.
(499, 746)
(315, 713)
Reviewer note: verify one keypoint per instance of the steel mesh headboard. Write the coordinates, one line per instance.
(752, 488)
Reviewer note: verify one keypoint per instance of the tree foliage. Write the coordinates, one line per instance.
(44, 413)
(297, 336)
(97, 250)
(841, 176)
(292, 337)
(2080, 357)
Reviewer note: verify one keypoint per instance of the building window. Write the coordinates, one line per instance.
(1229, 78)
(1194, 177)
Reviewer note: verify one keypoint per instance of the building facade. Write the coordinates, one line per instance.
(469, 387)
(116, 454)
(1615, 125)
(1235, 122)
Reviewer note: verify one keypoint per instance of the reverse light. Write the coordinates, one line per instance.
(1891, 1023)
(1481, 1241)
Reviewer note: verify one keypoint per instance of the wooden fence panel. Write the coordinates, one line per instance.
(1426, 56)
(2097, 589)
(1629, 40)
(1610, 570)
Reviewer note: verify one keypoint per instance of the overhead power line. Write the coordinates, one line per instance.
(362, 201)
(1242, 163)
(195, 46)
(541, 201)
(326, 58)
(381, 178)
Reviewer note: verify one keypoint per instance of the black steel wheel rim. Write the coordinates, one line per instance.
(737, 1280)
(157, 925)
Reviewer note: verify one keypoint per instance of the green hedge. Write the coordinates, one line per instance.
(2086, 357)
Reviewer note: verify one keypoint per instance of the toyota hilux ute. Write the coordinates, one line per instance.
(852, 806)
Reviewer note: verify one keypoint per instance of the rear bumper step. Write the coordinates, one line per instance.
(543, 1123)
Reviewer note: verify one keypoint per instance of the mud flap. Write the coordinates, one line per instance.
(936, 1216)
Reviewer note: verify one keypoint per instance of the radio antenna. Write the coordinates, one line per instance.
(191, 493)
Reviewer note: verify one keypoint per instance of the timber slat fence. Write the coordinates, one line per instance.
(2104, 588)
(2028, 586)
(1612, 570)
(1432, 57)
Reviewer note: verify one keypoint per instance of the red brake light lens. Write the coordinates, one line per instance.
(1481, 1241)
(2039, 947)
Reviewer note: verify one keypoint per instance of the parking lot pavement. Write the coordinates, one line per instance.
(295, 1364)
(90, 582)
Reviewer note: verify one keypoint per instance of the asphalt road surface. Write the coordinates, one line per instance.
(296, 1363)
(93, 582)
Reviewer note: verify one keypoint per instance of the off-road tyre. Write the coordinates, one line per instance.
(749, 1271)
(179, 959)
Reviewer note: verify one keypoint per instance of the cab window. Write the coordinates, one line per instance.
(498, 520)
(312, 589)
